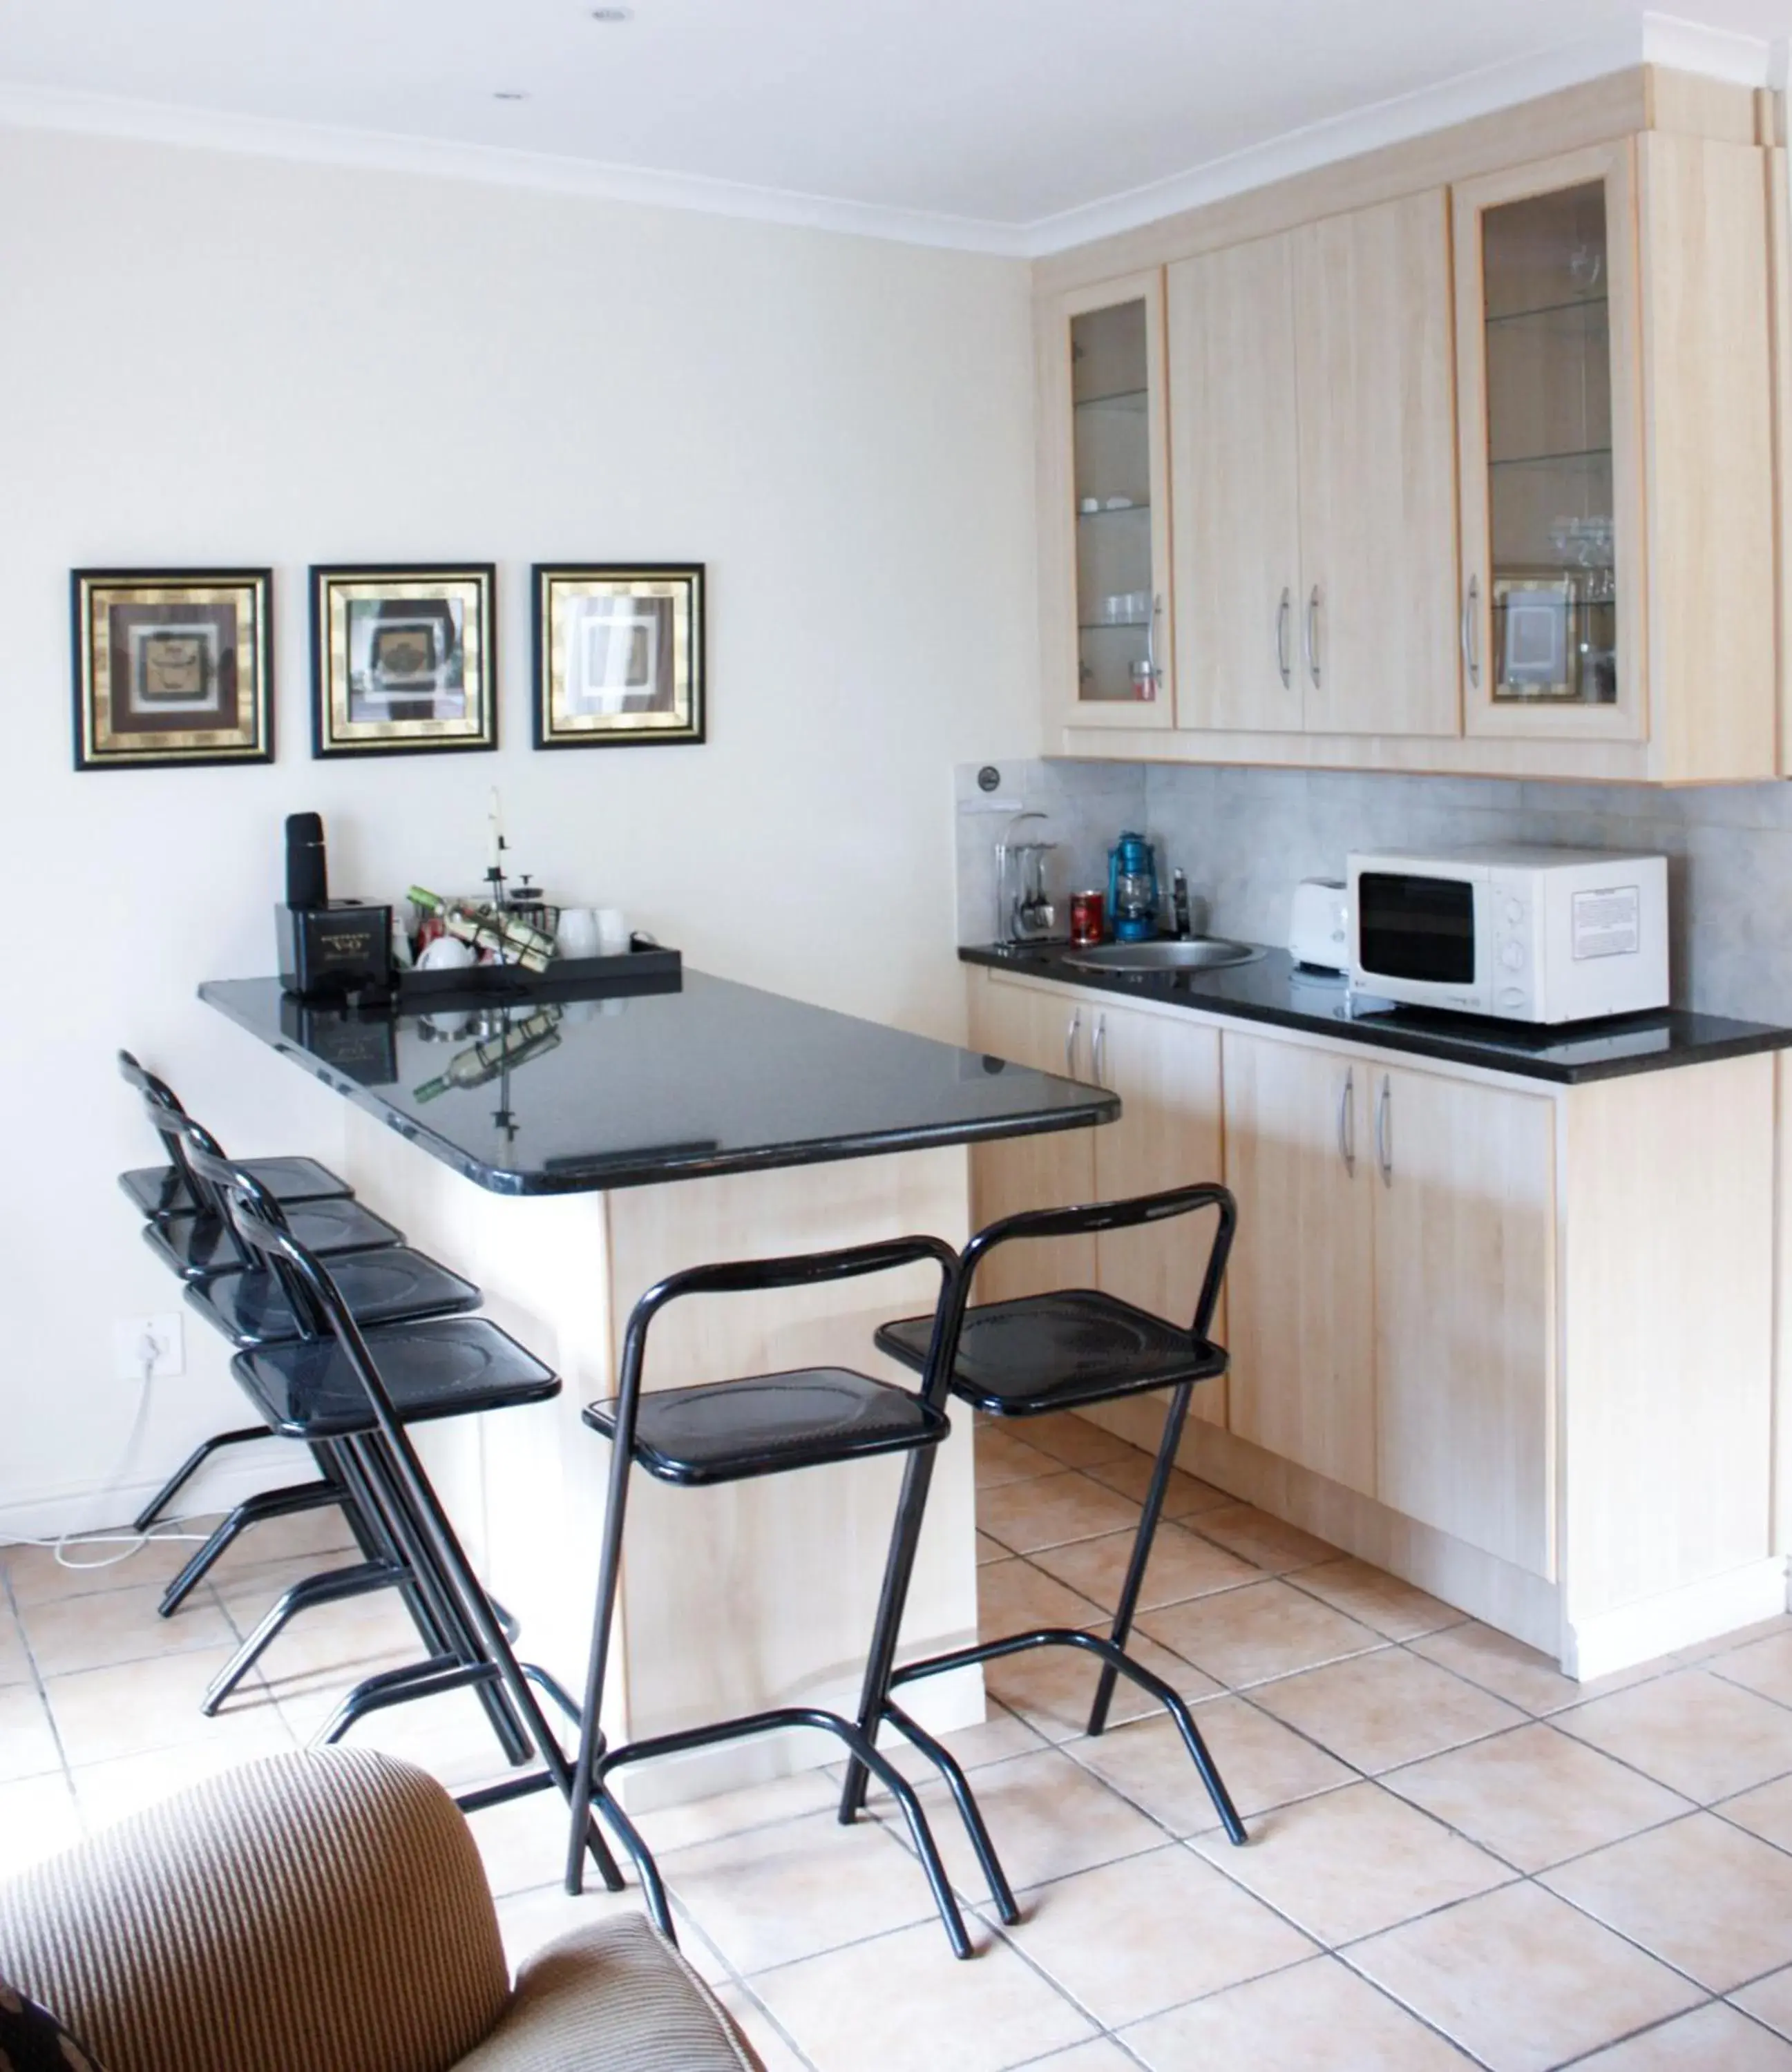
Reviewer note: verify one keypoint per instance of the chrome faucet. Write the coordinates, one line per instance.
(1178, 902)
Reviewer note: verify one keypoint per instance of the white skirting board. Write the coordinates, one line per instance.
(220, 1485)
(1657, 1625)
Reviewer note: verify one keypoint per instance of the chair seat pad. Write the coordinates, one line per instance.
(385, 1287)
(443, 1368)
(198, 1246)
(1040, 1353)
(768, 1423)
(161, 1190)
(611, 1996)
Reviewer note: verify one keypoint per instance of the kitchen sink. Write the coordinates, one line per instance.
(1197, 953)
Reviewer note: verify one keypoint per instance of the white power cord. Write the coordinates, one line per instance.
(131, 1543)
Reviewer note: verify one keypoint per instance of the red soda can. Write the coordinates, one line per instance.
(1087, 918)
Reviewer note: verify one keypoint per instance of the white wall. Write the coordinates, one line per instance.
(216, 361)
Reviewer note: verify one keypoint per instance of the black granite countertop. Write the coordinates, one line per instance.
(1274, 990)
(627, 1092)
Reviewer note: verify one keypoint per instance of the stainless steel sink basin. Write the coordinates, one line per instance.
(1199, 953)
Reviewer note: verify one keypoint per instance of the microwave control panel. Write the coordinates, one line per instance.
(1509, 976)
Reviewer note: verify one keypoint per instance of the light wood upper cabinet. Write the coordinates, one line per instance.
(1616, 420)
(1235, 487)
(1166, 1069)
(1376, 404)
(1104, 506)
(1464, 1194)
(1300, 1286)
(1048, 1032)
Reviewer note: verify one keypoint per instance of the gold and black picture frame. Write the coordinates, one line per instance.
(618, 655)
(404, 659)
(172, 667)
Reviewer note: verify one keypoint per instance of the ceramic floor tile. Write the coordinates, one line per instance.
(1261, 1762)
(27, 1746)
(529, 1920)
(1187, 1496)
(1052, 1689)
(1103, 2056)
(1353, 1861)
(15, 1666)
(1244, 1530)
(1378, 1599)
(757, 2026)
(38, 1817)
(1506, 1667)
(1536, 1797)
(1708, 1651)
(1119, 1939)
(990, 1550)
(109, 1791)
(1046, 1513)
(35, 1575)
(324, 1531)
(1013, 1595)
(1047, 1817)
(725, 1813)
(1521, 1979)
(1076, 1441)
(1766, 1811)
(1377, 1711)
(1318, 2017)
(107, 1627)
(778, 1894)
(1765, 1665)
(100, 1713)
(1770, 2000)
(1712, 1901)
(1692, 1731)
(1246, 1636)
(1182, 1565)
(1000, 1457)
(1002, 1735)
(1708, 2038)
(901, 2003)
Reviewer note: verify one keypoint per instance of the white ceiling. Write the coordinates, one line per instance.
(1019, 125)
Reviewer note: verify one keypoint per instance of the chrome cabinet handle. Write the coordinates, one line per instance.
(1347, 1122)
(1099, 1049)
(1283, 612)
(1471, 632)
(1309, 638)
(1151, 645)
(1070, 1029)
(1384, 1134)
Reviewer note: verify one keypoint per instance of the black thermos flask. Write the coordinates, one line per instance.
(307, 876)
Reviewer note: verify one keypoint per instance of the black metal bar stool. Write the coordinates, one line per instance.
(359, 1391)
(1061, 1351)
(768, 1424)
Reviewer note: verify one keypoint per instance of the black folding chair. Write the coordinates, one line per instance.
(1026, 1357)
(357, 1390)
(768, 1424)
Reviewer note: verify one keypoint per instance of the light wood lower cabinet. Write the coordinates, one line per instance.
(1300, 1289)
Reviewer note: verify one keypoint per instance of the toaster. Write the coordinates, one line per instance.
(1318, 924)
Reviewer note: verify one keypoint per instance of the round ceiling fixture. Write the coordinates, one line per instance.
(509, 93)
(612, 13)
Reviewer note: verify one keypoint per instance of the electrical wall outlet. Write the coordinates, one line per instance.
(154, 1342)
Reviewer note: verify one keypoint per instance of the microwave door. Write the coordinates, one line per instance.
(1418, 928)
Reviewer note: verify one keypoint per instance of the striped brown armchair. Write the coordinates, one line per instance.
(328, 1911)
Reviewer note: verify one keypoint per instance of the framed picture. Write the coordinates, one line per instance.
(172, 666)
(404, 660)
(619, 655)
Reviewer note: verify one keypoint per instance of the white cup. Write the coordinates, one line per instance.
(577, 934)
(447, 953)
(612, 932)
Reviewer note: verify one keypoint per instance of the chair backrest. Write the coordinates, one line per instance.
(1091, 1219)
(162, 1106)
(232, 1187)
(797, 1270)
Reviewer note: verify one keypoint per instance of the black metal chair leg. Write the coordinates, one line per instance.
(1175, 1417)
(969, 1812)
(325, 1588)
(253, 1511)
(590, 1731)
(898, 1569)
(190, 1467)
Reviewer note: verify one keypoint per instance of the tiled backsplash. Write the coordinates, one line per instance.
(1246, 837)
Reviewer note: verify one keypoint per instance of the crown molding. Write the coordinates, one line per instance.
(1656, 38)
(142, 121)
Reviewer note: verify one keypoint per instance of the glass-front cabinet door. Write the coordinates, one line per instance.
(1548, 326)
(1104, 531)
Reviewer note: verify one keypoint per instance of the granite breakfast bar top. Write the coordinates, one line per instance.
(630, 1091)
(1273, 990)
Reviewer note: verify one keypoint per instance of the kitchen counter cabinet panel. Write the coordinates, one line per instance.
(1302, 1323)
(1166, 1073)
(1465, 1310)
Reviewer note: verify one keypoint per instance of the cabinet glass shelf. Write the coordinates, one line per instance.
(1112, 625)
(1497, 320)
(1553, 459)
(1118, 511)
(1133, 401)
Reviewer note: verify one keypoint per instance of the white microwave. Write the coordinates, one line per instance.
(1524, 933)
